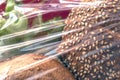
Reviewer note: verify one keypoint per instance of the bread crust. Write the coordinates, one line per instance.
(95, 44)
(49, 70)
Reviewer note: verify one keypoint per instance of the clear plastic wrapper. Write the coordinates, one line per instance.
(60, 41)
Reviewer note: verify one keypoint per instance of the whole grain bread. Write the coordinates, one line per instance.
(93, 46)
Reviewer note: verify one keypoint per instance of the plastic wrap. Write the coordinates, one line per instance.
(59, 40)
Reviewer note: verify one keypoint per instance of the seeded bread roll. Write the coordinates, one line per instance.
(49, 70)
(94, 42)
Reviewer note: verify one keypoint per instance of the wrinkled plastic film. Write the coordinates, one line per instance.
(85, 52)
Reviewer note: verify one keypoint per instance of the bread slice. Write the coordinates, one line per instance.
(22, 68)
